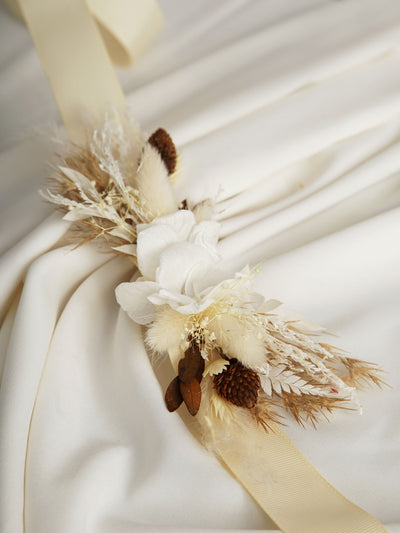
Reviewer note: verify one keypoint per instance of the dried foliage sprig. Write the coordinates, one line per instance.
(296, 375)
(112, 183)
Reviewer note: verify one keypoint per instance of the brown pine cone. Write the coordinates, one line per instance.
(238, 384)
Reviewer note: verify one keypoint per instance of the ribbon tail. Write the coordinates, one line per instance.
(281, 480)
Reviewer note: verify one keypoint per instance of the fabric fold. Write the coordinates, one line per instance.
(43, 296)
(292, 130)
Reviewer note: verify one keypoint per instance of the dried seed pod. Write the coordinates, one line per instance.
(191, 365)
(200, 370)
(191, 393)
(173, 395)
(238, 384)
(163, 143)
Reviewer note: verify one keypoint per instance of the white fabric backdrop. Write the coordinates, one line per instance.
(287, 113)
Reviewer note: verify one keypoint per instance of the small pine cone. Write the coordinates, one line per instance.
(238, 384)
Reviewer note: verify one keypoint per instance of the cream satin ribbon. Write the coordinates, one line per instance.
(76, 55)
(283, 482)
(280, 479)
(269, 466)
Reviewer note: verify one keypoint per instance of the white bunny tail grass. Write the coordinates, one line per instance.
(240, 337)
(166, 333)
(153, 184)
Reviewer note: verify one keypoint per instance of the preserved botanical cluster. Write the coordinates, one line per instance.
(114, 182)
(298, 375)
(231, 347)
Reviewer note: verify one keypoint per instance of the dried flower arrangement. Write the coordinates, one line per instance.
(104, 186)
(234, 353)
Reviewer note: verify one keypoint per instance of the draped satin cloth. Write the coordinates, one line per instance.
(288, 114)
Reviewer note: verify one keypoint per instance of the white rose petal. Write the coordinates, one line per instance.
(173, 299)
(133, 298)
(178, 263)
(206, 234)
(181, 221)
(150, 244)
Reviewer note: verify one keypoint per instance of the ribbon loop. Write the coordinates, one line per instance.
(127, 27)
(74, 55)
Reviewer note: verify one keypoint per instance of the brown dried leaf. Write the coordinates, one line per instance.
(192, 365)
(191, 393)
(173, 396)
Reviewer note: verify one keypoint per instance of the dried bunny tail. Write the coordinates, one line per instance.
(153, 184)
(239, 337)
(166, 333)
(164, 145)
(219, 418)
